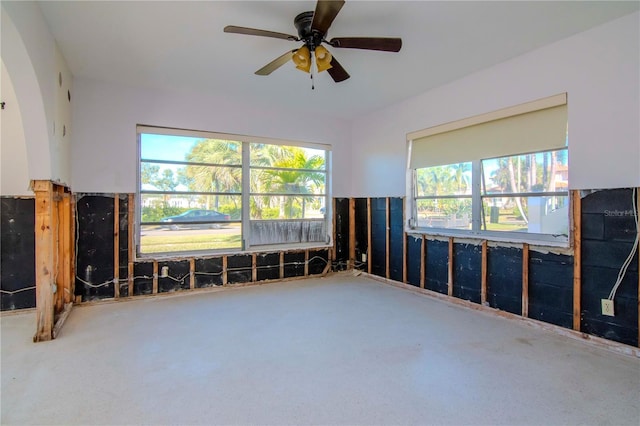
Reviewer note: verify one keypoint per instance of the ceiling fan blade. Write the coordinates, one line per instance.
(326, 12)
(387, 44)
(275, 64)
(337, 72)
(255, 32)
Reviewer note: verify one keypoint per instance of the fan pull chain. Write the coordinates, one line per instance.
(311, 70)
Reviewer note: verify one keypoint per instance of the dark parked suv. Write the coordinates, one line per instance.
(195, 219)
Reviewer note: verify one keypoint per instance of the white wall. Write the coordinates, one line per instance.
(34, 64)
(105, 115)
(599, 69)
(14, 176)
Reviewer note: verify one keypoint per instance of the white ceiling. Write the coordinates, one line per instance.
(180, 45)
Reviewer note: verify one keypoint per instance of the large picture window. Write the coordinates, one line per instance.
(510, 180)
(203, 191)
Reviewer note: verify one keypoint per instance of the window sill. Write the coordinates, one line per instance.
(205, 254)
(498, 237)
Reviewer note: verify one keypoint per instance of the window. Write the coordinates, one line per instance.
(510, 180)
(203, 191)
(443, 196)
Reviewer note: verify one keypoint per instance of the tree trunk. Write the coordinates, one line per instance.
(512, 181)
(552, 172)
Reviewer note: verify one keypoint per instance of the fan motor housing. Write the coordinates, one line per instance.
(312, 38)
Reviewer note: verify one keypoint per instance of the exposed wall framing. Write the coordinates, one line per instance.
(525, 280)
(576, 234)
(54, 252)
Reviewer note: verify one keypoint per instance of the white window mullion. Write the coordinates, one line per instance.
(476, 196)
(246, 190)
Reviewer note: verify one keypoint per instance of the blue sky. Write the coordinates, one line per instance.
(165, 147)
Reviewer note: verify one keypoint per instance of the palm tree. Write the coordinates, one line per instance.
(219, 176)
(292, 181)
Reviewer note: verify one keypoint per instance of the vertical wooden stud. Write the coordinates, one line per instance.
(450, 268)
(281, 264)
(224, 270)
(525, 280)
(68, 251)
(388, 238)
(369, 235)
(352, 234)
(254, 267)
(638, 212)
(306, 262)
(333, 230)
(155, 277)
(131, 244)
(577, 257)
(423, 261)
(404, 247)
(44, 242)
(60, 234)
(483, 276)
(56, 224)
(192, 274)
(71, 261)
(116, 246)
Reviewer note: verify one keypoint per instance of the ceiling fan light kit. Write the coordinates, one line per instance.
(312, 29)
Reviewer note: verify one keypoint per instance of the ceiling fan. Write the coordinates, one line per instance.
(312, 29)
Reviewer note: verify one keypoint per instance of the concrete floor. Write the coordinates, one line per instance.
(337, 350)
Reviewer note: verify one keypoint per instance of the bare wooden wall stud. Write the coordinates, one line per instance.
(192, 273)
(577, 257)
(388, 237)
(423, 260)
(155, 277)
(306, 262)
(450, 268)
(352, 233)
(44, 242)
(254, 267)
(131, 244)
(116, 246)
(333, 231)
(225, 278)
(404, 248)
(70, 253)
(369, 235)
(483, 272)
(525, 280)
(281, 264)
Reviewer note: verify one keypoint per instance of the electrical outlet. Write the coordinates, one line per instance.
(364, 257)
(164, 272)
(607, 307)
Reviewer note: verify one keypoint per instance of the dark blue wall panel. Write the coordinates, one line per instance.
(17, 258)
(436, 266)
(414, 251)
(551, 288)
(379, 236)
(467, 265)
(504, 281)
(396, 232)
(607, 238)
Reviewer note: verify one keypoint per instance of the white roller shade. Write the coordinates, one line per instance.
(532, 127)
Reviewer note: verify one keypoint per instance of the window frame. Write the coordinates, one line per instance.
(245, 194)
(477, 196)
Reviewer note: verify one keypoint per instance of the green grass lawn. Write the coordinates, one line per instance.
(175, 243)
(506, 227)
